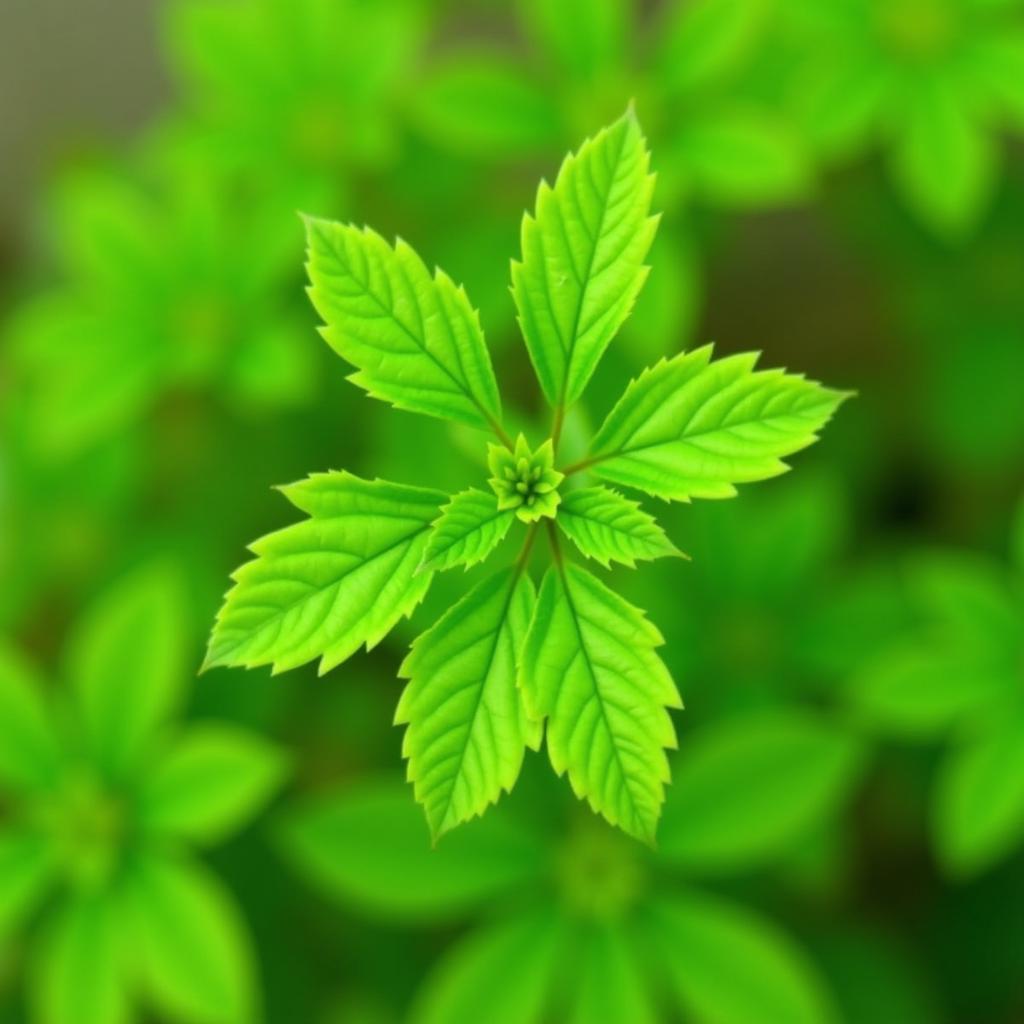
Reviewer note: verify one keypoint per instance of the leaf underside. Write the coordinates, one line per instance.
(469, 528)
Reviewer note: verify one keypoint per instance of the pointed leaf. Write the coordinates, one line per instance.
(692, 428)
(326, 586)
(415, 339)
(470, 527)
(583, 251)
(589, 667)
(468, 729)
(608, 527)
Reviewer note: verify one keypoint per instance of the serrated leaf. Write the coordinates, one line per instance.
(323, 587)
(469, 528)
(607, 527)
(589, 668)
(415, 339)
(582, 257)
(692, 428)
(467, 727)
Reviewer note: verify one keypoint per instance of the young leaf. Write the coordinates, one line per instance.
(209, 783)
(608, 527)
(470, 527)
(468, 730)
(366, 844)
(590, 669)
(415, 339)
(582, 265)
(325, 586)
(692, 428)
(194, 955)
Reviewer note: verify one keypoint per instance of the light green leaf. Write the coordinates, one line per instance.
(367, 845)
(944, 161)
(748, 789)
(326, 586)
(29, 752)
(469, 528)
(502, 975)
(467, 727)
(194, 954)
(608, 527)
(978, 814)
(415, 339)
(729, 966)
(583, 257)
(126, 663)
(81, 968)
(585, 37)
(590, 669)
(27, 868)
(611, 985)
(209, 783)
(692, 428)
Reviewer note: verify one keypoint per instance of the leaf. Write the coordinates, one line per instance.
(692, 428)
(27, 869)
(583, 251)
(81, 967)
(326, 586)
(503, 975)
(978, 812)
(415, 339)
(469, 528)
(366, 845)
(611, 984)
(746, 790)
(467, 727)
(29, 751)
(125, 661)
(585, 37)
(590, 669)
(608, 527)
(209, 783)
(194, 955)
(729, 966)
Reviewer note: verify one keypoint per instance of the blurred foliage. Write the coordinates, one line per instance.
(842, 186)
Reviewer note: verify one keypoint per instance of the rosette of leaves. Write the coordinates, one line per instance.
(508, 663)
(958, 675)
(934, 81)
(104, 797)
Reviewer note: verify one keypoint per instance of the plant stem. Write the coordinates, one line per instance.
(527, 548)
(557, 424)
(578, 467)
(499, 431)
(556, 550)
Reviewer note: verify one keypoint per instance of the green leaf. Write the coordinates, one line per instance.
(611, 985)
(193, 952)
(590, 669)
(608, 527)
(29, 751)
(325, 586)
(746, 790)
(692, 428)
(585, 37)
(209, 783)
(81, 967)
(583, 257)
(367, 845)
(503, 975)
(467, 727)
(27, 869)
(126, 663)
(729, 966)
(469, 528)
(415, 339)
(978, 813)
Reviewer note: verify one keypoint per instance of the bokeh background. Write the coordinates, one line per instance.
(842, 187)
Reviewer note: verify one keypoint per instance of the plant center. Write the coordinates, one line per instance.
(525, 481)
(916, 29)
(599, 873)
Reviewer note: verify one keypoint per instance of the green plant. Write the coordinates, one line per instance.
(504, 661)
(102, 800)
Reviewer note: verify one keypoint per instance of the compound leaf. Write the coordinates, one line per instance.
(327, 585)
(583, 251)
(468, 730)
(692, 428)
(590, 669)
(469, 528)
(414, 339)
(607, 527)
